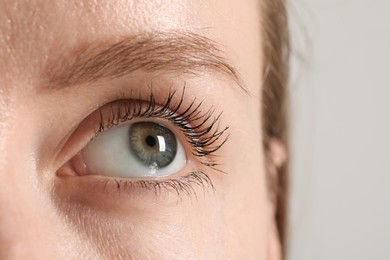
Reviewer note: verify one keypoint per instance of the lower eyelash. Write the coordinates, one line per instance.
(183, 185)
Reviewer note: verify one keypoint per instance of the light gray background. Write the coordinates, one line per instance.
(340, 127)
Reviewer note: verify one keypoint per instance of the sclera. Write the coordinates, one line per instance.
(109, 154)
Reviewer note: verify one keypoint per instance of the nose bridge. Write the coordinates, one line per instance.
(30, 227)
(21, 229)
(12, 228)
(17, 221)
(27, 222)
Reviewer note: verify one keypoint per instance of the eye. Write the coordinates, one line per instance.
(136, 143)
(136, 150)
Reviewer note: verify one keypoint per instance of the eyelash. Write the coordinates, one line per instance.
(183, 185)
(205, 137)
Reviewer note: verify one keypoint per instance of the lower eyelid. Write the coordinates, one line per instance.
(97, 191)
(184, 181)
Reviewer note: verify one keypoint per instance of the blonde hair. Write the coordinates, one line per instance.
(274, 92)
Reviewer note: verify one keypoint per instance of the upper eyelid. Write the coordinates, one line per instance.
(204, 134)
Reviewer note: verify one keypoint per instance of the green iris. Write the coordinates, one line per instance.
(153, 144)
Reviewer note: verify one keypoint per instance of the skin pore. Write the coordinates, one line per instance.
(67, 63)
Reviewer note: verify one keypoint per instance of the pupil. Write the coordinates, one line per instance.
(152, 144)
(150, 140)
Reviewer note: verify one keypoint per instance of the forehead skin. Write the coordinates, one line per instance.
(233, 223)
(31, 31)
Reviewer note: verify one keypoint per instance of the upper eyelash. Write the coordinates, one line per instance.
(203, 137)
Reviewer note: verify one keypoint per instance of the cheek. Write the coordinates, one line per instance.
(192, 227)
(246, 200)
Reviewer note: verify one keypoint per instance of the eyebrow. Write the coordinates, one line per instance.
(171, 52)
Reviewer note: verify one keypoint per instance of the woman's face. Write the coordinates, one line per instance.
(132, 130)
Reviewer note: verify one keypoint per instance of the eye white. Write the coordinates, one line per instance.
(110, 154)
